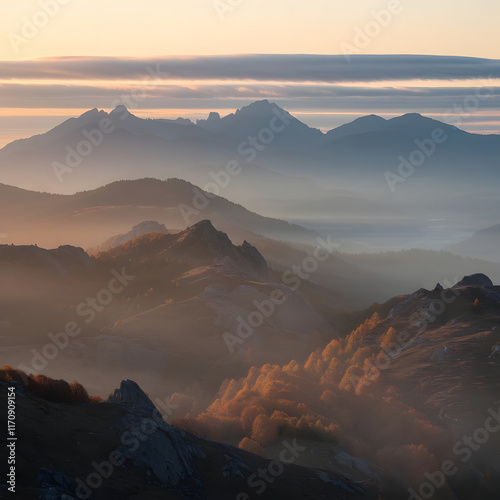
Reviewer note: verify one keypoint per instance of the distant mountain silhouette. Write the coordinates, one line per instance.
(132, 147)
(361, 125)
(89, 218)
(251, 119)
(484, 244)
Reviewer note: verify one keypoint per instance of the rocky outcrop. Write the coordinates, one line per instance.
(407, 302)
(130, 393)
(478, 279)
(202, 239)
(158, 460)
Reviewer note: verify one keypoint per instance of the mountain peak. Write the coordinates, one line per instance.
(412, 115)
(218, 242)
(120, 109)
(415, 123)
(203, 236)
(261, 103)
(89, 113)
(361, 125)
(478, 279)
(412, 119)
(214, 115)
(130, 393)
(263, 106)
(205, 224)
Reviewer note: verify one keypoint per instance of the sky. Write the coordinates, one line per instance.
(59, 58)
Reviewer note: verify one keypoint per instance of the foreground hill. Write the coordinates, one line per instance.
(407, 390)
(78, 450)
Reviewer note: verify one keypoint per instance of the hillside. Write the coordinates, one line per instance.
(400, 391)
(93, 450)
(91, 217)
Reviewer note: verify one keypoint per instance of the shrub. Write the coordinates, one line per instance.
(56, 391)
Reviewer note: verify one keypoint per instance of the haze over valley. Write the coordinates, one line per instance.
(249, 250)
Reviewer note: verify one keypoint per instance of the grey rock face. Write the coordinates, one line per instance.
(54, 485)
(478, 279)
(129, 392)
(151, 443)
(408, 301)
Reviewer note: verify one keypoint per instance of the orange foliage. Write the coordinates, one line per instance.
(251, 446)
(264, 430)
(390, 337)
(321, 399)
(57, 391)
(355, 339)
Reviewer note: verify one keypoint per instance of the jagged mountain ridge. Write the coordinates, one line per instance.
(166, 148)
(178, 295)
(200, 242)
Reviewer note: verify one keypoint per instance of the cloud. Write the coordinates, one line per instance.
(230, 96)
(285, 68)
(310, 84)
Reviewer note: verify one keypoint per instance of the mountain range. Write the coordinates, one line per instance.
(99, 219)
(483, 244)
(250, 351)
(167, 274)
(118, 145)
